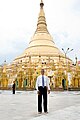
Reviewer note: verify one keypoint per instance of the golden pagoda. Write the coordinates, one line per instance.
(41, 44)
(41, 53)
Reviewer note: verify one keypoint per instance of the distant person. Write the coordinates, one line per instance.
(63, 83)
(13, 87)
(42, 86)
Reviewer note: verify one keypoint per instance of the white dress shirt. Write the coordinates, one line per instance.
(39, 82)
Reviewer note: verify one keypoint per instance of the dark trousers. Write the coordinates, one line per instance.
(43, 92)
(13, 91)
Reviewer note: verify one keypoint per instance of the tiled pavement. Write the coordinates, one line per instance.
(23, 106)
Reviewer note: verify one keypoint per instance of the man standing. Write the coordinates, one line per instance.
(63, 83)
(13, 87)
(42, 86)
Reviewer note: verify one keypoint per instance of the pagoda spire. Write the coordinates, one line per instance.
(41, 25)
(41, 4)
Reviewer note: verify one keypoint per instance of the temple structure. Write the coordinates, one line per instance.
(41, 53)
(41, 45)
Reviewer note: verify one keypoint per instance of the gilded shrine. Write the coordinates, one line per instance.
(41, 53)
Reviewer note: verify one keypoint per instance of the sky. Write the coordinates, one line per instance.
(18, 22)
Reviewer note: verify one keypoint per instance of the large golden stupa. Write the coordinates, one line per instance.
(41, 53)
(41, 44)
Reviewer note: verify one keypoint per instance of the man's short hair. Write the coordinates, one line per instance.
(42, 70)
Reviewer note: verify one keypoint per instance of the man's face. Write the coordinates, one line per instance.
(42, 71)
